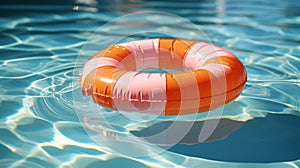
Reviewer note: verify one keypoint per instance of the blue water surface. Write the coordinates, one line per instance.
(40, 42)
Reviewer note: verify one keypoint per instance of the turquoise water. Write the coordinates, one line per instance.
(43, 47)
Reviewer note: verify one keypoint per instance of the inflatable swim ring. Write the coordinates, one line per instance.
(208, 77)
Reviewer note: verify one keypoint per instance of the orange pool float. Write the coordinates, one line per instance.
(208, 77)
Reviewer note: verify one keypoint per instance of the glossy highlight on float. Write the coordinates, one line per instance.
(209, 77)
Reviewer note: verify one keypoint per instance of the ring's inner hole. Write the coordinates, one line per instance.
(164, 62)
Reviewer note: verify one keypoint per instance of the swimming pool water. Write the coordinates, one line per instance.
(40, 45)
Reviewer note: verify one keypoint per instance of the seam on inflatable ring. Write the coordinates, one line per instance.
(157, 101)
